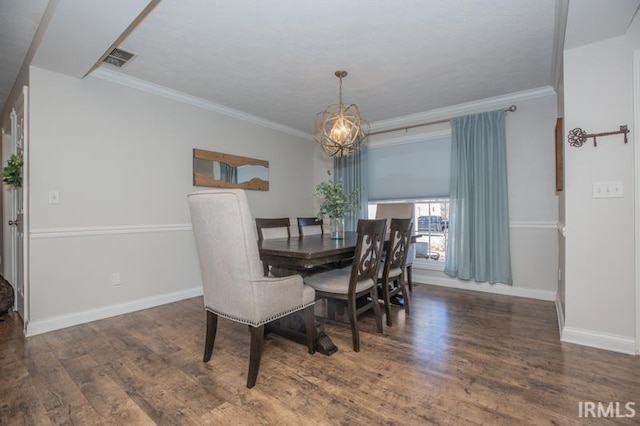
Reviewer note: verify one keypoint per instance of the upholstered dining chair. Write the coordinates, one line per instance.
(310, 226)
(391, 276)
(269, 228)
(401, 211)
(232, 279)
(356, 285)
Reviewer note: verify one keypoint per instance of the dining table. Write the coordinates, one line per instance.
(305, 254)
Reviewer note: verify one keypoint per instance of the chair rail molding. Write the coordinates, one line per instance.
(534, 224)
(39, 233)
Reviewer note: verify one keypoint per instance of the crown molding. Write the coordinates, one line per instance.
(145, 86)
(406, 120)
(472, 107)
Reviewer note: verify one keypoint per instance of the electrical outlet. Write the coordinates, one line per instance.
(54, 197)
(115, 278)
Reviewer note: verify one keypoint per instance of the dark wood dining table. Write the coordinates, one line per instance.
(301, 255)
(306, 253)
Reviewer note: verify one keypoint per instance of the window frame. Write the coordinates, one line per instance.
(421, 263)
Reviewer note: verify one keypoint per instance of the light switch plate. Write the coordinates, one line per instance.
(608, 189)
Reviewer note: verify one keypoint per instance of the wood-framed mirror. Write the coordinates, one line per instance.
(229, 171)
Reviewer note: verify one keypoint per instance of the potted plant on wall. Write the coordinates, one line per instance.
(12, 172)
(335, 205)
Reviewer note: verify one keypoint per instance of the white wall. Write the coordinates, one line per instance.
(533, 205)
(121, 160)
(600, 287)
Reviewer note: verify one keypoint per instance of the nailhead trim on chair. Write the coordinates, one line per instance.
(258, 324)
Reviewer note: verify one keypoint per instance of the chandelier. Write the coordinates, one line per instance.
(340, 129)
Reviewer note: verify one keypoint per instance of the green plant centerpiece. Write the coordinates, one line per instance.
(335, 205)
(12, 172)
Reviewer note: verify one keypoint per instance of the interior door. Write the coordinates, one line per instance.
(16, 222)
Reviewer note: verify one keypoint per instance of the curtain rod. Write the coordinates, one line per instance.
(512, 108)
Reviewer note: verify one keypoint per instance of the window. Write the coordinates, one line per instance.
(415, 169)
(431, 220)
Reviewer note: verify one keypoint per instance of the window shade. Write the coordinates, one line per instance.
(410, 170)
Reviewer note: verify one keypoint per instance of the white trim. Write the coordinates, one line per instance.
(461, 109)
(68, 320)
(609, 342)
(407, 120)
(533, 224)
(507, 290)
(636, 172)
(145, 86)
(26, 207)
(560, 313)
(107, 230)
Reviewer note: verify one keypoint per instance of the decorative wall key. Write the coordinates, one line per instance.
(577, 136)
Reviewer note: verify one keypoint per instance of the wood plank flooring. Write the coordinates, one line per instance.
(461, 358)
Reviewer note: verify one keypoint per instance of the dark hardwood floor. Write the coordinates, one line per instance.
(460, 358)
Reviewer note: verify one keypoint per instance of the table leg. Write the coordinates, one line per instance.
(292, 327)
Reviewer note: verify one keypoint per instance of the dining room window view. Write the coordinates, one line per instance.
(431, 221)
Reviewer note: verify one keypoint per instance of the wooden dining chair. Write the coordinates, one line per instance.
(391, 276)
(310, 226)
(356, 285)
(232, 280)
(401, 211)
(269, 228)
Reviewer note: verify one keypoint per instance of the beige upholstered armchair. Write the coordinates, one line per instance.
(232, 276)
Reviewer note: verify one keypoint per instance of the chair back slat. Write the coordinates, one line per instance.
(401, 211)
(398, 245)
(368, 253)
(269, 228)
(310, 226)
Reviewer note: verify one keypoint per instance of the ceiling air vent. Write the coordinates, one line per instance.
(118, 57)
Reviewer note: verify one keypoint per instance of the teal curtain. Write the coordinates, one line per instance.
(351, 172)
(478, 247)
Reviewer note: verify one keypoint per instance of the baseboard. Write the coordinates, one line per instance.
(68, 320)
(507, 290)
(598, 340)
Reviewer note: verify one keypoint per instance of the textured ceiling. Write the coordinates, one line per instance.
(18, 23)
(275, 59)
